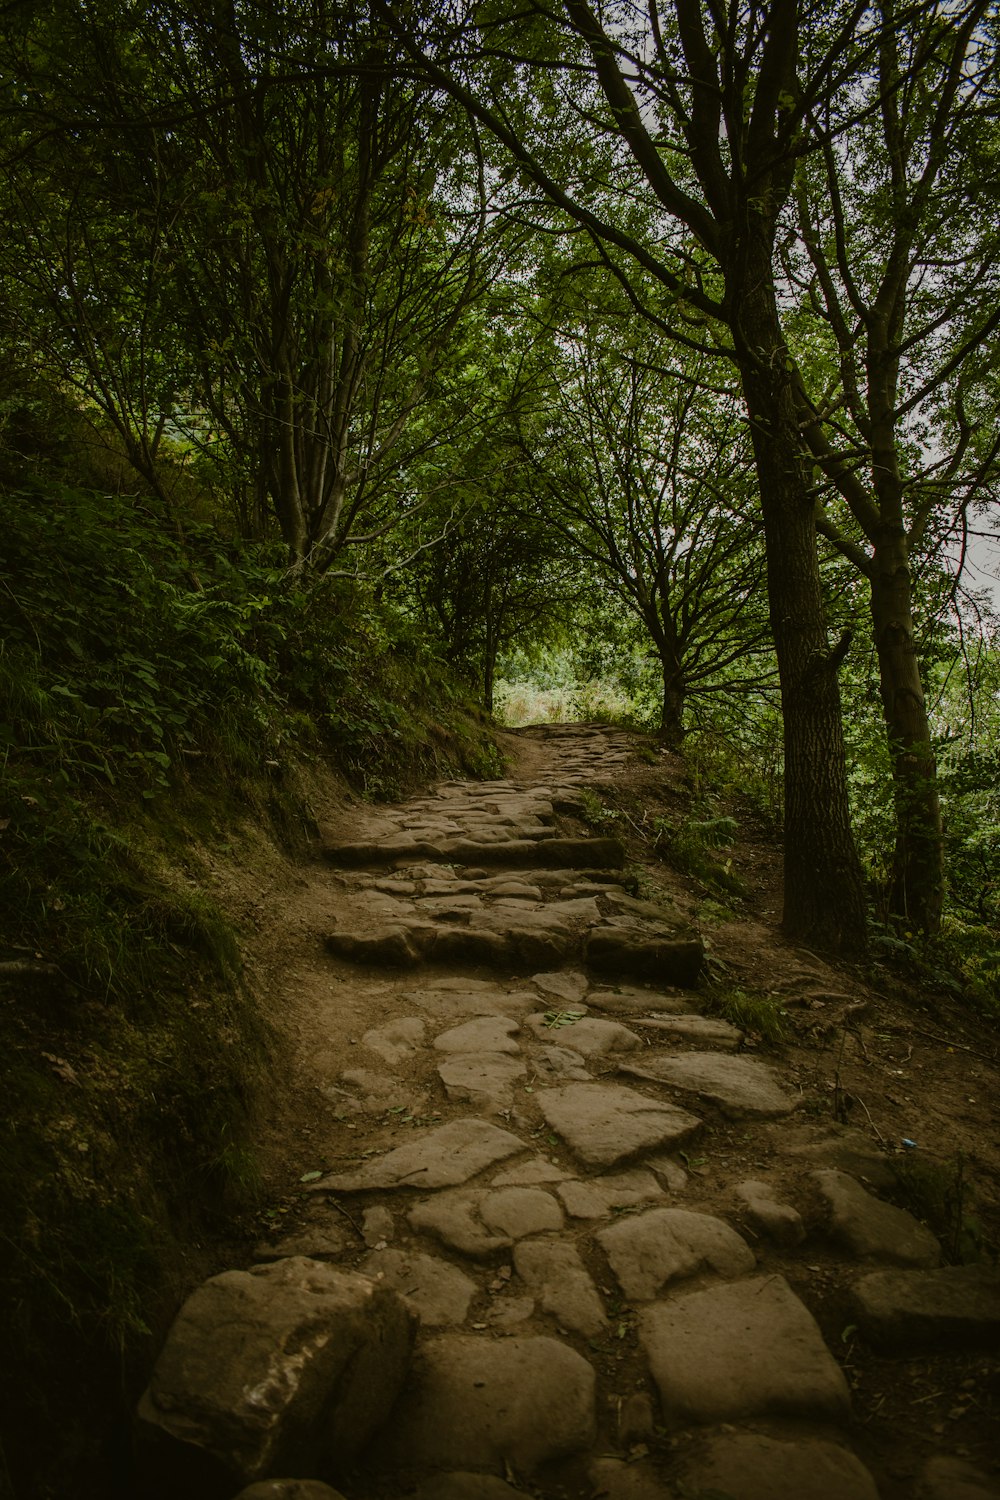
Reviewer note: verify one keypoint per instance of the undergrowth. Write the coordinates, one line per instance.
(159, 688)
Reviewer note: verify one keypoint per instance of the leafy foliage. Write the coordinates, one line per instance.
(157, 690)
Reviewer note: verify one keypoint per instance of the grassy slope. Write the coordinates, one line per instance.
(153, 696)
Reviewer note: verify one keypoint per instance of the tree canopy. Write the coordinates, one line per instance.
(492, 307)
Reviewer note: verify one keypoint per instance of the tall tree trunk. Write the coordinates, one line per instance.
(918, 863)
(672, 712)
(824, 895)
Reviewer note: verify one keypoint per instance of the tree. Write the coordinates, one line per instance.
(263, 252)
(704, 109)
(647, 477)
(894, 251)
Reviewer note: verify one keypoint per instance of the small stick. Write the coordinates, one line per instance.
(958, 1046)
(871, 1121)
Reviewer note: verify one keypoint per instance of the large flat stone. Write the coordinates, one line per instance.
(778, 1221)
(562, 984)
(485, 1079)
(288, 1367)
(627, 1000)
(952, 1307)
(739, 1350)
(590, 1035)
(438, 1292)
(747, 1466)
(479, 1222)
(707, 1031)
(455, 1002)
(440, 1158)
(483, 1034)
(598, 1197)
(649, 1251)
(554, 1272)
(742, 1087)
(641, 954)
(480, 1403)
(871, 1229)
(604, 1124)
(395, 946)
(397, 1039)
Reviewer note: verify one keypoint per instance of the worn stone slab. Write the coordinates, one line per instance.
(946, 1478)
(590, 1036)
(481, 1221)
(530, 1173)
(394, 947)
(291, 1365)
(367, 1090)
(471, 945)
(517, 1211)
(484, 1034)
(604, 1124)
(708, 1031)
(397, 1039)
(668, 1170)
(519, 889)
(378, 853)
(453, 1220)
(481, 1403)
(474, 998)
(562, 1285)
(649, 1251)
(438, 1158)
(459, 909)
(486, 1079)
(598, 1197)
(562, 1063)
(378, 1226)
(438, 1292)
(748, 1466)
(742, 1087)
(627, 1000)
(908, 1311)
(738, 1350)
(871, 1229)
(520, 917)
(637, 952)
(778, 1221)
(506, 1312)
(567, 985)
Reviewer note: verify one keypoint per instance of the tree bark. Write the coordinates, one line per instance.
(916, 892)
(672, 712)
(823, 887)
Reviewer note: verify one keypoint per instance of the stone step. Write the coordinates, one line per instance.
(512, 853)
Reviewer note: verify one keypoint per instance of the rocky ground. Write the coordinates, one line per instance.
(563, 1230)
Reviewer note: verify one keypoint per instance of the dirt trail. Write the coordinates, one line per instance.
(648, 1261)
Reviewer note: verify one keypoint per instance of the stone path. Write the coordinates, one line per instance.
(524, 1292)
